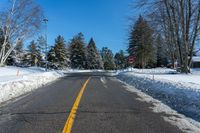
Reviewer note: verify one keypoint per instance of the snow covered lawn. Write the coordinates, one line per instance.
(15, 81)
(179, 91)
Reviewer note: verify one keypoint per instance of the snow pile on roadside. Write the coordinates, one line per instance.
(152, 71)
(28, 79)
(180, 92)
(12, 71)
(9, 73)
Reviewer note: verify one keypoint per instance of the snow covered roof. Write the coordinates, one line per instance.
(196, 59)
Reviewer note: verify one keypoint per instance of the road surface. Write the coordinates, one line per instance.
(104, 106)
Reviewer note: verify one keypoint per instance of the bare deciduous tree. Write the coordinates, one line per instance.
(20, 20)
(179, 23)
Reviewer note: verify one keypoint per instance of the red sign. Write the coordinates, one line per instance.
(131, 59)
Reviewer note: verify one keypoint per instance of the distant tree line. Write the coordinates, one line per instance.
(75, 54)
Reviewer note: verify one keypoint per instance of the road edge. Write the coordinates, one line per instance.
(173, 117)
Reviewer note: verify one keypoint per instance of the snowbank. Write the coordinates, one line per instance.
(16, 81)
(180, 92)
(152, 71)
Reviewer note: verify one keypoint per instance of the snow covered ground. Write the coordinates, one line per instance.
(181, 92)
(15, 81)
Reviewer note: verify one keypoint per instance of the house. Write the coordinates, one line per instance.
(195, 62)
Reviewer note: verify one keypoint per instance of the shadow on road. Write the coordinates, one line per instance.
(93, 74)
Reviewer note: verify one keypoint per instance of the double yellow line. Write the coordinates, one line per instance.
(72, 115)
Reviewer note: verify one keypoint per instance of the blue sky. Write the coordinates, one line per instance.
(106, 21)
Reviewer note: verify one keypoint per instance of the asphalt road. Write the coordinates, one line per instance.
(105, 107)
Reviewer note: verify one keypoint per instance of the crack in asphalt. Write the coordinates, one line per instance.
(79, 111)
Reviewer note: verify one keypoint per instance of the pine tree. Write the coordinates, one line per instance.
(34, 54)
(19, 53)
(26, 60)
(94, 60)
(41, 45)
(120, 60)
(77, 52)
(61, 53)
(108, 59)
(141, 44)
(41, 41)
(51, 58)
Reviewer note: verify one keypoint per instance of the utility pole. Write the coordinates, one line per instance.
(46, 45)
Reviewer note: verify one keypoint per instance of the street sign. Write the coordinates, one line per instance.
(131, 59)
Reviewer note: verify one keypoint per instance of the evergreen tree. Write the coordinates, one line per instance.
(51, 58)
(120, 60)
(26, 60)
(94, 60)
(141, 44)
(61, 53)
(19, 53)
(33, 54)
(41, 44)
(108, 59)
(41, 41)
(77, 52)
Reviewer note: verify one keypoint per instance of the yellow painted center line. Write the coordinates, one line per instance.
(72, 115)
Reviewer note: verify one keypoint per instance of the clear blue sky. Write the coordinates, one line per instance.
(104, 20)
